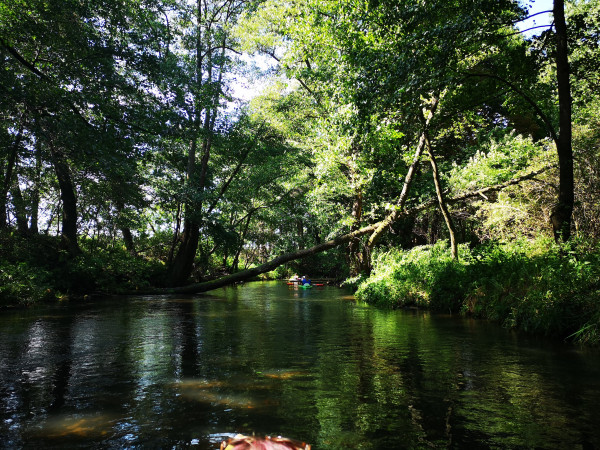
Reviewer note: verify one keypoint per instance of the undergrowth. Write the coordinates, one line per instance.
(34, 269)
(536, 286)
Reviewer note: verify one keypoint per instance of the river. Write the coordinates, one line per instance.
(265, 358)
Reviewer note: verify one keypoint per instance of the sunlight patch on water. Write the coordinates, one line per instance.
(79, 426)
(212, 392)
(283, 374)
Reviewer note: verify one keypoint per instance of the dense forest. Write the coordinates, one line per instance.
(428, 153)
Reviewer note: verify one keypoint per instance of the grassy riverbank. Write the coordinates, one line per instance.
(536, 286)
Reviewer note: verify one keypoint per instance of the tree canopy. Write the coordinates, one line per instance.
(380, 124)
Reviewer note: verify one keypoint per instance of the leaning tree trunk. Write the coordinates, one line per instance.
(441, 200)
(323, 246)
(563, 211)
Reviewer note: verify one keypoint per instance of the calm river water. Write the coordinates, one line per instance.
(177, 372)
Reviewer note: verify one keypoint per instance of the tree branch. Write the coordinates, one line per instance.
(527, 98)
(23, 61)
(528, 29)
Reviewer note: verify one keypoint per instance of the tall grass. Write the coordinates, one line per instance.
(536, 286)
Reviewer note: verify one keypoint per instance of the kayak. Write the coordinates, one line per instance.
(305, 286)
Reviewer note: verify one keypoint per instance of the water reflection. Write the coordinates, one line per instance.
(307, 364)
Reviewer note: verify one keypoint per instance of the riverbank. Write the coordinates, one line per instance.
(534, 286)
(34, 269)
(531, 285)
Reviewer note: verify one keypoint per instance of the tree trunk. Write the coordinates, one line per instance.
(183, 263)
(175, 234)
(441, 200)
(358, 258)
(128, 240)
(563, 211)
(300, 233)
(125, 230)
(69, 203)
(20, 210)
(8, 175)
(35, 194)
(236, 258)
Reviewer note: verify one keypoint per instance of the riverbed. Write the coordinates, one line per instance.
(268, 358)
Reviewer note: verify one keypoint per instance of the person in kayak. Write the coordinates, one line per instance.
(305, 280)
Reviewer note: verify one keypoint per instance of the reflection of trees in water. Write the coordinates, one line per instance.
(335, 374)
(60, 380)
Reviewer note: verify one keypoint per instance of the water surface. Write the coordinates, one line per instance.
(264, 358)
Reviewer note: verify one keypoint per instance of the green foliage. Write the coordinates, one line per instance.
(496, 161)
(421, 276)
(26, 269)
(108, 270)
(22, 284)
(33, 269)
(535, 286)
(520, 210)
(330, 264)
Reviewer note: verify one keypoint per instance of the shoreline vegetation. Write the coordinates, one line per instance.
(431, 154)
(536, 286)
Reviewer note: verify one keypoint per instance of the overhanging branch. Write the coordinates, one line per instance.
(527, 98)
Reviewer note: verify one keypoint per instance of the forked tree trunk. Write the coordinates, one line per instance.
(391, 218)
(183, 263)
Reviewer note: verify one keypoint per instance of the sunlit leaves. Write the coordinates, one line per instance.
(500, 161)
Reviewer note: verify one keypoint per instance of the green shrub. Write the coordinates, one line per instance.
(536, 286)
(34, 269)
(420, 276)
(23, 284)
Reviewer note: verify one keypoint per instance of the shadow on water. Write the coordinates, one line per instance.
(266, 358)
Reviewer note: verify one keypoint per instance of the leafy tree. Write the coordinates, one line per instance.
(205, 54)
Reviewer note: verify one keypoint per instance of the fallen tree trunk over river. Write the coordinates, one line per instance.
(376, 227)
